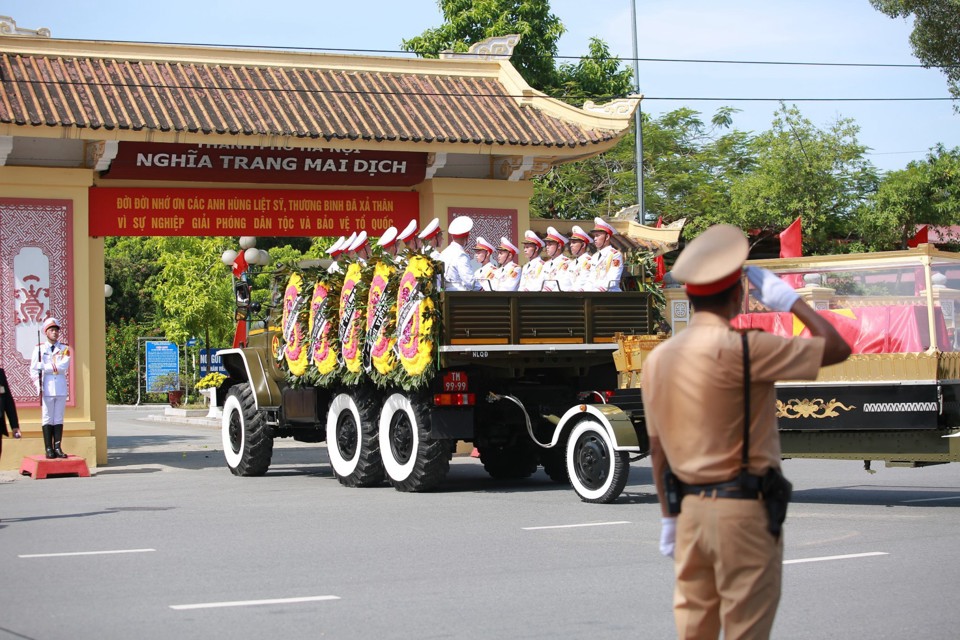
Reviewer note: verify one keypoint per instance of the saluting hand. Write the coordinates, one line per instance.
(770, 290)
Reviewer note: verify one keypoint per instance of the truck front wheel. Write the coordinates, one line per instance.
(412, 460)
(247, 445)
(598, 472)
(352, 438)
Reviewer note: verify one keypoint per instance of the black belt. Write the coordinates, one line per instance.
(729, 489)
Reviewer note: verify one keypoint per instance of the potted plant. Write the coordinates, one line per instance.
(208, 385)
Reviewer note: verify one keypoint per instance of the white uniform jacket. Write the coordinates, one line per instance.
(531, 278)
(54, 361)
(507, 277)
(557, 275)
(457, 271)
(606, 268)
(484, 277)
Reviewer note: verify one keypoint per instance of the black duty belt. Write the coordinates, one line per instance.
(729, 489)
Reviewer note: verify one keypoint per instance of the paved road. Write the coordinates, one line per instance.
(168, 538)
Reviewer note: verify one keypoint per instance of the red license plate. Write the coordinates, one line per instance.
(454, 381)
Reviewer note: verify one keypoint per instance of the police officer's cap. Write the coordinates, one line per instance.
(713, 261)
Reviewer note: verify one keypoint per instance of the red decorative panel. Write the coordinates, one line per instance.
(36, 282)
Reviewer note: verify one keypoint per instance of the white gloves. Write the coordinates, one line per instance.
(668, 536)
(770, 290)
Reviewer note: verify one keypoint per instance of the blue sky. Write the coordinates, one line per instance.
(848, 31)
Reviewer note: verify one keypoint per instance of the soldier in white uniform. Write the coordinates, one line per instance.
(388, 244)
(483, 277)
(607, 263)
(556, 268)
(531, 278)
(580, 242)
(430, 238)
(507, 277)
(457, 269)
(48, 370)
(360, 248)
(407, 242)
(334, 252)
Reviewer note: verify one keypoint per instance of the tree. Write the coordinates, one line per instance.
(470, 21)
(925, 192)
(936, 33)
(597, 76)
(128, 263)
(820, 175)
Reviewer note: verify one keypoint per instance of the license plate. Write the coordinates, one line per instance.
(454, 381)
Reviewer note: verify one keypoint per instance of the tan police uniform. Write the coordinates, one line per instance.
(727, 564)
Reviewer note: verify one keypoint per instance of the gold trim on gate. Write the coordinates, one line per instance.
(805, 408)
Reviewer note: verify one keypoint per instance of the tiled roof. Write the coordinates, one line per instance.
(99, 93)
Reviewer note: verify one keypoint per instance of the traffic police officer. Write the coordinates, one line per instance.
(48, 370)
(727, 562)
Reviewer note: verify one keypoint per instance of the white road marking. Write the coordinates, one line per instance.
(932, 499)
(83, 553)
(846, 557)
(250, 603)
(571, 526)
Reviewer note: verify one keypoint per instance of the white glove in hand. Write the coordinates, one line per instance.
(770, 290)
(668, 536)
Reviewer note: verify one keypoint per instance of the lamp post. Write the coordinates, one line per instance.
(638, 116)
(242, 264)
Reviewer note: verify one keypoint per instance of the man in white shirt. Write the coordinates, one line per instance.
(607, 263)
(556, 269)
(360, 248)
(507, 276)
(430, 238)
(388, 244)
(457, 270)
(48, 370)
(483, 253)
(580, 242)
(531, 277)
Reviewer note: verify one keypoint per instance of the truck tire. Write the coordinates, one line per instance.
(412, 460)
(247, 445)
(598, 472)
(514, 462)
(352, 442)
(554, 464)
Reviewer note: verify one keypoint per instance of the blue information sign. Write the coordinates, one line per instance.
(216, 366)
(163, 366)
(191, 342)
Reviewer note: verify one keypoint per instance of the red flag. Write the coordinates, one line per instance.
(661, 268)
(920, 237)
(239, 265)
(791, 241)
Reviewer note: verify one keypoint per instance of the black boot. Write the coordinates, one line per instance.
(57, 437)
(48, 441)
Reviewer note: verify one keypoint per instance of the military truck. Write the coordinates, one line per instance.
(480, 367)
(895, 400)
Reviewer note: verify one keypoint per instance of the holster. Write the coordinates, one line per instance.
(672, 489)
(776, 491)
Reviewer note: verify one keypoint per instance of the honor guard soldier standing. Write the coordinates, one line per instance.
(334, 252)
(531, 277)
(360, 248)
(556, 269)
(457, 269)
(607, 264)
(483, 253)
(430, 238)
(580, 242)
(408, 237)
(48, 370)
(710, 406)
(507, 277)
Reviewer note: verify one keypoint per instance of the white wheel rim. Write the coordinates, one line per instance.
(397, 471)
(580, 429)
(229, 406)
(342, 466)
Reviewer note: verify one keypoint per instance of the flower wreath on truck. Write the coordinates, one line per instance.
(351, 330)
(323, 351)
(417, 323)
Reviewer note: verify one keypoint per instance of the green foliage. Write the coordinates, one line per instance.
(129, 262)
(597, 76)
(926, 192)
(802, 170)
(936, 33)
(122, 345)
(467, 22)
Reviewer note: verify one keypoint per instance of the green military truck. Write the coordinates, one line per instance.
(490, 369)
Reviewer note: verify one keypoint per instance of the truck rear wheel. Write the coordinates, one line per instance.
(514, 462)
(247, 445)
(412, 460)
(598, 472)
(352, 442)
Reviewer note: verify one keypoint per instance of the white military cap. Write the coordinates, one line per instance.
(360, 242)
(713, 261)
(388, 238)
(408, 231)
(578, 233)
(432, 229)
(349, 241)
(599, 224)
(50, 322)
(509, 246)
(529, 237)
(336, 247)
(556, 236)
(484, 245)
(460, 226)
